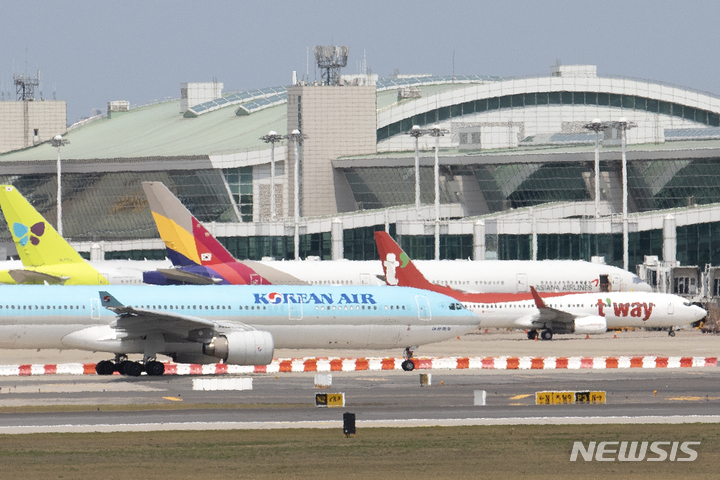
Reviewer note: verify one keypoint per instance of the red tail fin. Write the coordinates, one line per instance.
(397, 266)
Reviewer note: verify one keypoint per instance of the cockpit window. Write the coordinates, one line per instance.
(456, 306)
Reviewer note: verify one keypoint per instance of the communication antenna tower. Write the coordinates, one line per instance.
(330, 59)
(25, 86)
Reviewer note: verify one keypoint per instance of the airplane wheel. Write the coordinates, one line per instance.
(105, 367)
(532, 335)
(408, 365)
(671, 333)
(120, 367)
(155, 368)
(546, 335)
(133, 369)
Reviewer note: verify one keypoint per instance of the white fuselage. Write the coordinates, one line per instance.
(41, 316)
(497, 276)
(620, 309)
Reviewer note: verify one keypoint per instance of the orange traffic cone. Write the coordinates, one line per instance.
(615, 336)
(587, 336)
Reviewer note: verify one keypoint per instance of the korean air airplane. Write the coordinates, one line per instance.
(48, 258)
(199, 258)
(235, 324)
(556, 313)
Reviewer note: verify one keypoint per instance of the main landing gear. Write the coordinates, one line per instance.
(126, 367)
(671, 332)
(546, 334)
(408, 365)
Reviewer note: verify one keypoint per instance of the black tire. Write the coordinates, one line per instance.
(133, 369)
(408, 365)
(546, 335)
(671, 333)
(105, 367)
(155, 368)
(120, 367)
(532, 335)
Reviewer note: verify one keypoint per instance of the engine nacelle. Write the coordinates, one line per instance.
(593, 325)
(197, 359)
(252, 347)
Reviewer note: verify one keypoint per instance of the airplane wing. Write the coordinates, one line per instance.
(31, 276)
(180, 275)
(549, 315)
(135, 322)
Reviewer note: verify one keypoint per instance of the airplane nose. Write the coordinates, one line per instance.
(699, 312)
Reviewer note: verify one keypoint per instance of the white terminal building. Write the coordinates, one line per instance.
(516, 170)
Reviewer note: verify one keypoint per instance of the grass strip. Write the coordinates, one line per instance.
(540, 452)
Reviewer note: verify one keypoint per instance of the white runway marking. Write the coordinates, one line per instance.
(148, 427)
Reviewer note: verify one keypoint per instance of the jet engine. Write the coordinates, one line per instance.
(251, 347)
(591, 325)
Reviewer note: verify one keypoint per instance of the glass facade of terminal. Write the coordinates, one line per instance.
(521, 100)
(652, 184)
(112, 206)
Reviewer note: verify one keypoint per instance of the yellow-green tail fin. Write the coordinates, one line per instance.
(37, 242)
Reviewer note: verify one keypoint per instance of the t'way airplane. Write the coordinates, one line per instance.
(585, 313)
(236, 324)
(48, 258)
(200, 259)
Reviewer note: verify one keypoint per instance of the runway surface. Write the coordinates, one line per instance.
(377, 399)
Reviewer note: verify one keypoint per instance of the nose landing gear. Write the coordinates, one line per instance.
(408, 365)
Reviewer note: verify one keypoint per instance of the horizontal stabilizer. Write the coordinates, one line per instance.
(183, 276)
(31, 276)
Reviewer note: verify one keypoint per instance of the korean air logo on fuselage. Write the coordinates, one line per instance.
(27, 234)
(275, 298)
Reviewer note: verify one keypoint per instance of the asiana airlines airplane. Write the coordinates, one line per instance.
(239, 325)
(198, 258)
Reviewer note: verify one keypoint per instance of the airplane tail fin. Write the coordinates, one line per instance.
(197, 254)
(37, 242)
(398, 268)
(187, 241)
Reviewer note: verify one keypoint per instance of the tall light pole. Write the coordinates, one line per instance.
(271, 138)
(623, 125)
(296, 138)
(417, 132)
(596, 126)
(58, 142)
(437, 133)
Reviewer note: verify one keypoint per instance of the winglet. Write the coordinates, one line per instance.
(108, 301)
(539, 302)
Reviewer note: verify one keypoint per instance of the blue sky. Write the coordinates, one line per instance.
(92, 52)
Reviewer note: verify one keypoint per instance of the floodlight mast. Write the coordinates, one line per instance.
(296, 137)
(416, 132)
(437, 133)
(622, 126)
(58, 142)
(596, 126)
(271, 138)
